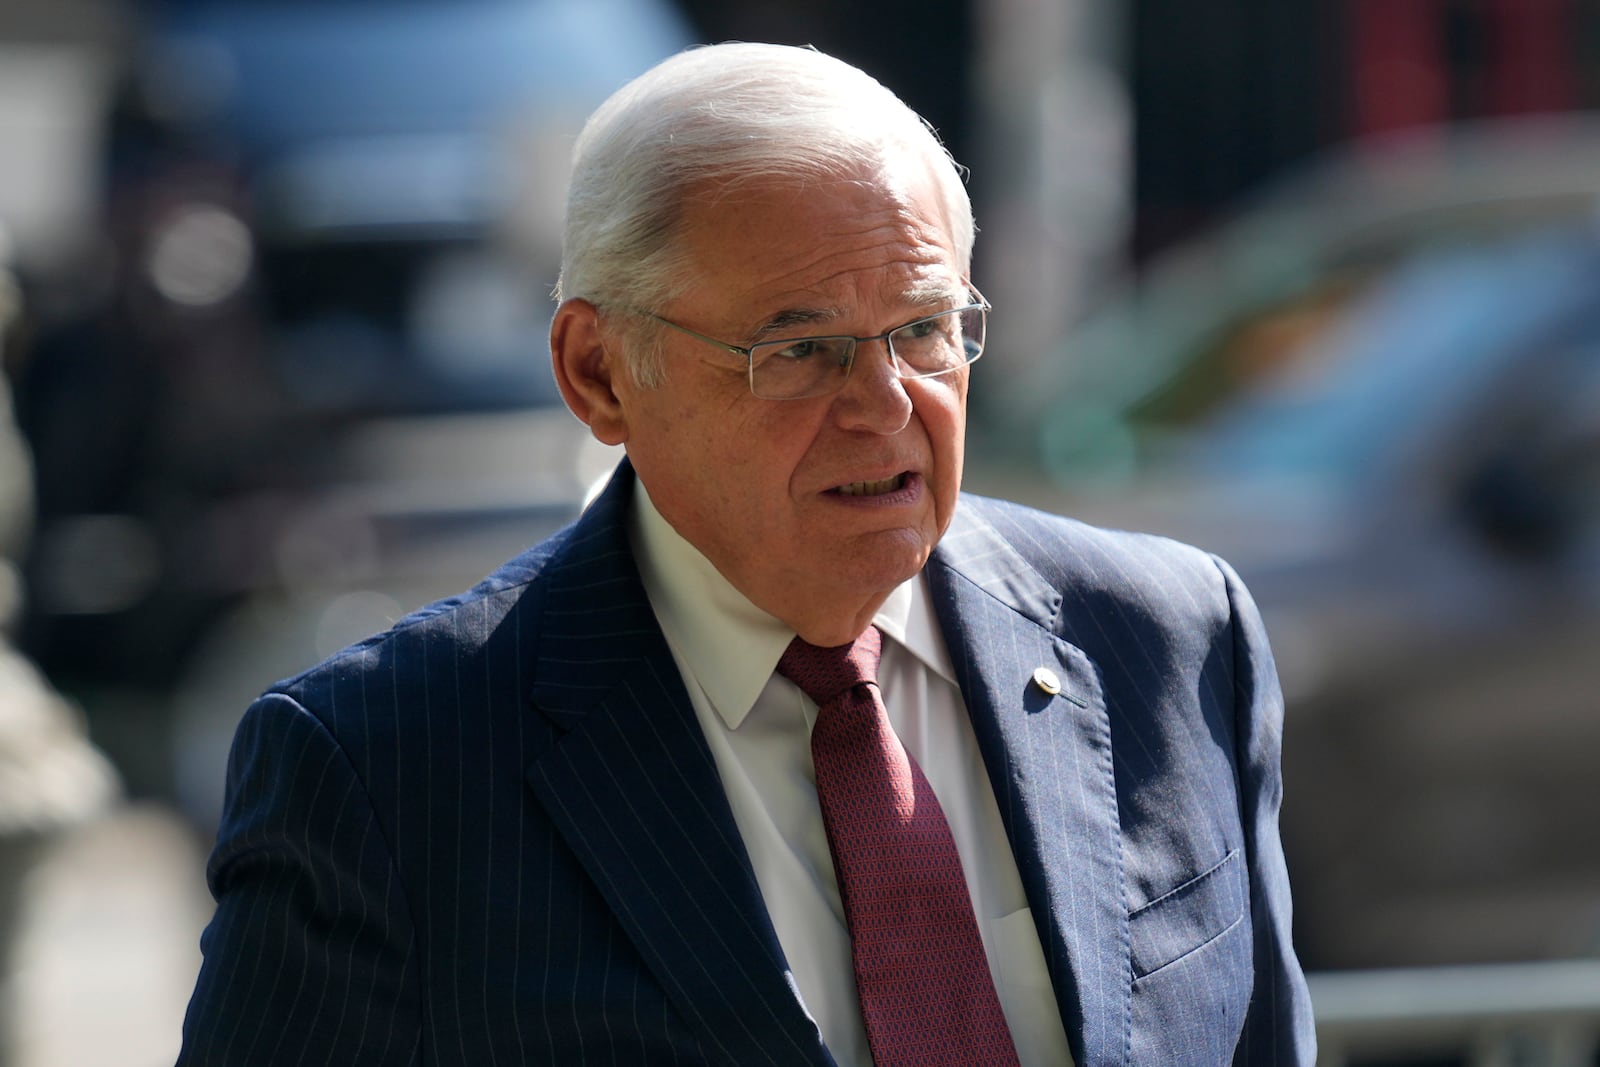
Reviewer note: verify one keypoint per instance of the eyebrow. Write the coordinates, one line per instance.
(781, 324)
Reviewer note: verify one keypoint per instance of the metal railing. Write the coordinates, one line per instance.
(1542, 1014)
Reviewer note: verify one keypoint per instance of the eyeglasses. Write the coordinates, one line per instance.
(802, 367)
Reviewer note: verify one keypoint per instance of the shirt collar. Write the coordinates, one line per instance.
(729, 645)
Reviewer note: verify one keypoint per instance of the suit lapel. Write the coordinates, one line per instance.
(1050, 763)
(634, 790)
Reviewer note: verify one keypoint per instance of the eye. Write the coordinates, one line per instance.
(805, 348)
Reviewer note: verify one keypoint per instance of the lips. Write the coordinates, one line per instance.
(877, 488)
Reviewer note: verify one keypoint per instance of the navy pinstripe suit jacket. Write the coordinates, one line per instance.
(495, 833)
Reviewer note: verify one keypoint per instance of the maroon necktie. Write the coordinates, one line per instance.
(926, 993)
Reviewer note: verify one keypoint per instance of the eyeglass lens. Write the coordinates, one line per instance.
(807, 366)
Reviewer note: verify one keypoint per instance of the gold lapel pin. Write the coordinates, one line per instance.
(1046, 679)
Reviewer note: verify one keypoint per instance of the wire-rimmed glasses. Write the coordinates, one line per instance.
(799, 367)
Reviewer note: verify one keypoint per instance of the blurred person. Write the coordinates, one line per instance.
(785, 751)
(51, 778)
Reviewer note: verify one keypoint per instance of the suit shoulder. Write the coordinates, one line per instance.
(1152, 583)
(1073, 550)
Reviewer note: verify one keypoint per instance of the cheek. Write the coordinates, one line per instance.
(676, 458)
(944, 419)
(733, 472)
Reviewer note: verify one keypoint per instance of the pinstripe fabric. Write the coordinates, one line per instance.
(1145, 795)
(495, 835)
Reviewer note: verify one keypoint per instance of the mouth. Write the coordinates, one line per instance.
(878, 488)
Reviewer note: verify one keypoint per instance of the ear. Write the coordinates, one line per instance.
(584, 370)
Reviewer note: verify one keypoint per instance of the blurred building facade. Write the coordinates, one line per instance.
(1228, 95)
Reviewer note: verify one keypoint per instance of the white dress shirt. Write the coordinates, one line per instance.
(758, 725)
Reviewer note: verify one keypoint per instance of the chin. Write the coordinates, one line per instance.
(887, 560)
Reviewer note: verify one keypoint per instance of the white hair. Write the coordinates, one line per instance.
(726, 113)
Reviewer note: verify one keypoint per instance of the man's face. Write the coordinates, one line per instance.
(815, 509)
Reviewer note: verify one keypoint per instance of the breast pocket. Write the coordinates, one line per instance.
(1192, 969)
(1190, 917)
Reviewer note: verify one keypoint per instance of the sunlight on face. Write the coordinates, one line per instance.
(816, 508)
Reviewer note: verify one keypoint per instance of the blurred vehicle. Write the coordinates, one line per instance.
(311, 360)
(1406, 472)
(1210, 317)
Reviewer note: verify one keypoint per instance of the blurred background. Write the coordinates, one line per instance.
(1314, 284)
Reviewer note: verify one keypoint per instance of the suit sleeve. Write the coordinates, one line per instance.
(309, 957)
(1279, 1028)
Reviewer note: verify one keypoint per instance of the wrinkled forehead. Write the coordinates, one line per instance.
(822, 244)
(905, 182)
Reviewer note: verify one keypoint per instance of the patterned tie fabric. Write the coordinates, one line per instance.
(926, 993)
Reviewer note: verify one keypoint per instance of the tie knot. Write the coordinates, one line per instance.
(824, 673)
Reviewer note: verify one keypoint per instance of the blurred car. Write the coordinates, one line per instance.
(1211, 316)
(312, 356)
(1410, 485)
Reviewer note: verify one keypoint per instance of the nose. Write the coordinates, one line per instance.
(874, 397)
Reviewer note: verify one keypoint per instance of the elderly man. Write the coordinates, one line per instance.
(785, 752)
